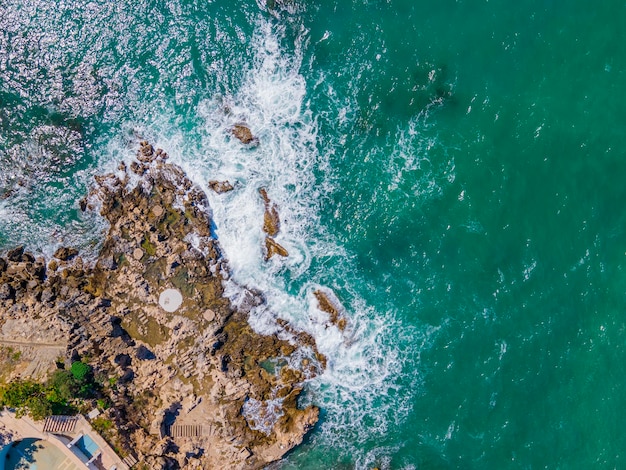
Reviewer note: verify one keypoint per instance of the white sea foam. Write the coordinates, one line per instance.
(361, 388)
(262, 415)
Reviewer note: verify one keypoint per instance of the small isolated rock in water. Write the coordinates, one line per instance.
(244, 134)
(273, 248)
(65, 253)
(326, 305)
(271, 221)
(220, 186)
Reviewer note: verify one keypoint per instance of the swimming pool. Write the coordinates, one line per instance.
(87, 446)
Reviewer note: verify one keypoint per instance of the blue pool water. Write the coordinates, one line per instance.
(87, 446)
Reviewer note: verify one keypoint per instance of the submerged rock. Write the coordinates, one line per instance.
(196, 365)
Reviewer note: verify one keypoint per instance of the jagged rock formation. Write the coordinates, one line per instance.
(271, 226)
(220, 186)
(192, 388)
(244, 134)
(325, 304)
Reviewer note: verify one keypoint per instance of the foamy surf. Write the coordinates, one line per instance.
(362, 379)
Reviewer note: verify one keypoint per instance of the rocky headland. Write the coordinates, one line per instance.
(191, 384)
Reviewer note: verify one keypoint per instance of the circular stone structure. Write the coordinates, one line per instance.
(170, 300)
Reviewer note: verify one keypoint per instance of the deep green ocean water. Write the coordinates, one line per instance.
(453, 171)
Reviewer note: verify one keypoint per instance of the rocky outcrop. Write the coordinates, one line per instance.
(271, 226)
(195, 387)
(325, 304)
(244, 134)
(220, 186)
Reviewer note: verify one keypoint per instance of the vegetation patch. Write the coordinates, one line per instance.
(63, 393)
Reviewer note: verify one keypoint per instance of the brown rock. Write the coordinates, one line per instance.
(145, 154)
(271, 220)
(326, 305)
(220, 186)
(273, 248)
(209, 315)
(107, 311)
(65, 253)
(244, 134)
(15, 254)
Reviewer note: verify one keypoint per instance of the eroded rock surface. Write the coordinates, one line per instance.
(244, 134)
(271, 226)
(220, 187)
(193, 388)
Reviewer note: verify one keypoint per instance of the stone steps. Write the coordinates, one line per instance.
(130, 460)
(187, 430)
(143, 319)
(187, 364)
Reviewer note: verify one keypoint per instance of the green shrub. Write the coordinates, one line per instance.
(80, 371)
(101, 425)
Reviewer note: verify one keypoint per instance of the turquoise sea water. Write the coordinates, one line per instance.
(452, 170)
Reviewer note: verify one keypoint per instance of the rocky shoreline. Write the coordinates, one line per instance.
(191, 388)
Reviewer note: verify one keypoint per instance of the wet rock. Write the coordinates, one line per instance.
(65, 253)
(204, 358)
(146, 153)
(3, 265)
(271, 220)
(15, 254)
(27, 258)
(220, 186)
(244, 134)
(138, 168)
(272, 248)
(83, 204)
(326, 305)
